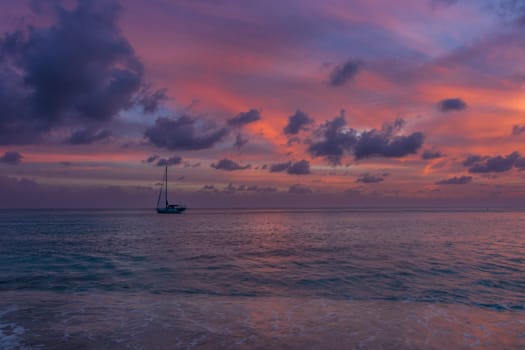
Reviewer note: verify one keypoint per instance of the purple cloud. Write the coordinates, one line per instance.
(473, 159)
(151, 159)
(229, 165)
(11, 157)
(175, 160)
(301, 167)
(518, 129)
(184, 133)
(456, 180)
(245, 118)
(151, 100)
(209, 188)
(80, 71)
(297, 122)
(335, 138)
(368, 178)
(430, 154)
(451, 104)
(261, 189)
(344, 72)
(231, 188)
(240, 141)
(87, 136)
(496, 164)
(384, 143)
(279, 167)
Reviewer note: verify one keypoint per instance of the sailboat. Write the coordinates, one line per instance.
(169, 208)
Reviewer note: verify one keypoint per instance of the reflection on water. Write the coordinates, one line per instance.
(108, 321)
(262, 279)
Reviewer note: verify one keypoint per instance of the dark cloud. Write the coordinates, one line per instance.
(473, 159)
(209, 188)
(279, 167)
(11, 157)
(79, 71)
(193, 103)
(151, 159)
(334, 138)
(297, 122)
(301, 167)
(451, 104)
(87, 136)
(240, 141)
(430, 154)
(175, 160)
(231, 188)
(518, 129)
(184, 133)
(456, 180)
(384, 143)
(244, 118)
(368, 178)
(261, 189)
(520, 163)
(344, 72)
(496, 164)
(229, 165)
(299, 189)
(292, 140)
(151, 100)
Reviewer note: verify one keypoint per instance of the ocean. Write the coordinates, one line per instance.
(262, 279)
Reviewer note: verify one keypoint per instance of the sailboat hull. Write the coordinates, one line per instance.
(174, 210)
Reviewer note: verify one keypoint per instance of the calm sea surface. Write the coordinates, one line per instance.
(262, 279)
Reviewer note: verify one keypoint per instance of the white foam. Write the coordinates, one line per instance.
(10, 332)
(11, 336)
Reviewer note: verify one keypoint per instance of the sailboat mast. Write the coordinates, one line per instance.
(166, 175)
(160, 192)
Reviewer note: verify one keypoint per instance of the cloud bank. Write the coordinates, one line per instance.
(184, 133)
(78, 73)
(229, 165)
(11, 157)
(335, 138)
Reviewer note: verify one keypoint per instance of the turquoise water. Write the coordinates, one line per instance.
(266, 279)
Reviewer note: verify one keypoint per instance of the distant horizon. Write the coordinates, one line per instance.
(325, 208)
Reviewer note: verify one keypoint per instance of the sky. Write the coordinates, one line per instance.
(262, 103)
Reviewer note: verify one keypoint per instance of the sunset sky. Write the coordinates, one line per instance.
(262, 103)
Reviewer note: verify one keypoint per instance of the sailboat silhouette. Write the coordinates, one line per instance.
(168, 208)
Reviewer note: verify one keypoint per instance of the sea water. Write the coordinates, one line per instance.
(262, 279)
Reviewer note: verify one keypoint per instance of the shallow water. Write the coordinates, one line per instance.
(264, 279)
